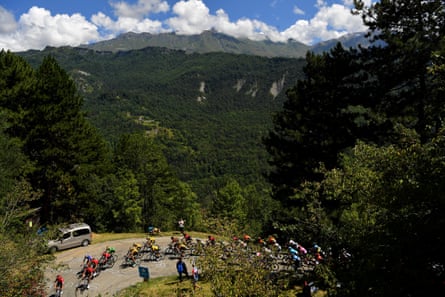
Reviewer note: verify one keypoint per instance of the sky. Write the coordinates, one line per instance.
(35, 24)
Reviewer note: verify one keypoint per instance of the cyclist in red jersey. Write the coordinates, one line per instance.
(58, 283)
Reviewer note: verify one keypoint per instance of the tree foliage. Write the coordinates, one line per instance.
(389, 219)
(161, 197)
(379, 199)
(21, 262)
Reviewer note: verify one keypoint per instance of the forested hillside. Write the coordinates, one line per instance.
(209, 110)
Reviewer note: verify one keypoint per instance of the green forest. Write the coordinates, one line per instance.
(352, 158)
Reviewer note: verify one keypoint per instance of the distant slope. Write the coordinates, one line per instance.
(352, 40)
(206, 42)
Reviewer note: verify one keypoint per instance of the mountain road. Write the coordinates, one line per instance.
(111, 280)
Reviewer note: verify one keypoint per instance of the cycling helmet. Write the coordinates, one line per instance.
(88, 257)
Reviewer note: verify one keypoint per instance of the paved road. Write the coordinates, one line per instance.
(110, 281)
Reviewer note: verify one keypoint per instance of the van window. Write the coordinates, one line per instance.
(81, 232)
(66, 235)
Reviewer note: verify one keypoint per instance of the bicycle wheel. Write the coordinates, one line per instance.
(81, 287)
(112, 261)
(58, 292)
(168, 251)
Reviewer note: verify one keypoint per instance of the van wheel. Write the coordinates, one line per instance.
(52, 250)
(85, 242)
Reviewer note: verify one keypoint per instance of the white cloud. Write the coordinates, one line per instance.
(298, 10)
(193, 16)
(7, 21)
(328, 23)
(140, 9)
(125, 24)
(38, 28)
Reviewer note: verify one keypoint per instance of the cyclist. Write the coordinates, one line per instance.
(295, 257)
(174, 240)
(94, 264)
(211, 240)
(260, 241)
(180, 247)
(88, 273)
(58, 284)
(106, 255)
(110, 250)
(85, 263)
(187, 238)
(301, 249)
(318, 253)
(271, 240)
(293, 243)
(87, 260)
(132, 252)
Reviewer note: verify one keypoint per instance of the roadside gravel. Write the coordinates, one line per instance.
(112, 280)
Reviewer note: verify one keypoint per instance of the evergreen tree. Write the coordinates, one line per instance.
(21, 260)
(324, 114)
(66, 149)
(164, 199)
(411, 31)
(17, 87)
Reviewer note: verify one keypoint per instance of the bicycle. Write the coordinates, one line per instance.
(82, 286)
(109, 263)
(169, 250)
(127, 261)
(58, 293)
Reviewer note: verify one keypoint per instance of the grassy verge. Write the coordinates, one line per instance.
(166, 287)
(171, 287)
(103, 237)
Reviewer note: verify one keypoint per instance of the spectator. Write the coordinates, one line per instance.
(181, 268)
(181, 225)
(195, 277)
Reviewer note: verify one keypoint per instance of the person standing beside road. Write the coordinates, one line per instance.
(181, 268)
(181, 225)
(195, 277)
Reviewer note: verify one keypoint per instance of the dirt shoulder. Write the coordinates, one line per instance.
(112, 280)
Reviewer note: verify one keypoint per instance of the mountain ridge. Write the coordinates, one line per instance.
(211, 41)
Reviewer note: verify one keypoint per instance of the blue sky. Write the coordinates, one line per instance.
(35, 24)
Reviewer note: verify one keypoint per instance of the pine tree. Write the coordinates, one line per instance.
(65, 147)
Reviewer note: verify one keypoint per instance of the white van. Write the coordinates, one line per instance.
(72, 236)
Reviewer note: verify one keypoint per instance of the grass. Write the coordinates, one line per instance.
(103, 237)
(171, 287)
(166, 287)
